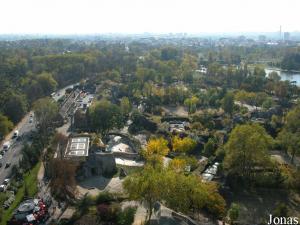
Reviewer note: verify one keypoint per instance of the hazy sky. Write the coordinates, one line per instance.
(137, 16)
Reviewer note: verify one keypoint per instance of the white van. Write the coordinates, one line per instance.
(6, 146)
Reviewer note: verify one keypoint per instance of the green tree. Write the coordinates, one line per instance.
(46, 112)
(274, 76)
(289, 136)
(191, 103)
(234, 213)
(125, 105)
(228, 103)
(246, 149)
(105, 116)
(15, 107)
(209, 147)
(259, 71)
(46, 82)
(5, 126)
(147, 186)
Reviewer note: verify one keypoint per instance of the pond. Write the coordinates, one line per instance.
(285, 75)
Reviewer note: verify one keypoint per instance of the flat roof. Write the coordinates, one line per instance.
(77, 146)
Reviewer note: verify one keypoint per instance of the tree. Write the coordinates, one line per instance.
(62, 174)
(183, 145)
(125, 106)
(156, 149)
(247, 149)
(289, 136)
(274, 76)
(191, 103)
(234, 212)
(178, 191)
(209, 147)
(15, 107)
(177, 164)
(105, 116)
(184, 193)
(147, 186)
(5, 126)
(259, 71)
(45, 111)
(46, 82)
(228, 103)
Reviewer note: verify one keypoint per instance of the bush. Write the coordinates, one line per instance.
(108, 212)
(104, 197)
(126, 217)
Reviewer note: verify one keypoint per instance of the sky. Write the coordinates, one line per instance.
(153, 16)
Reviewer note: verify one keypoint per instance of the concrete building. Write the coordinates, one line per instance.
(78, 147)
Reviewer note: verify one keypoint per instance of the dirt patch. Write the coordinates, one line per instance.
(96, 184)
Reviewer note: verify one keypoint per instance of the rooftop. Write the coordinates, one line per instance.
(77, 147)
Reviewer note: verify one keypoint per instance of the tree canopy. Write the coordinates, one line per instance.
(247, 150)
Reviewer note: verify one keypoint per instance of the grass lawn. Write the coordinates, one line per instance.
(30, 178)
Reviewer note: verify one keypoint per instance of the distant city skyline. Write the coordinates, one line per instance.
(153, 16)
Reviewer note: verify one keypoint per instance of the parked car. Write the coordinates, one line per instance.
(16, 134)
(6, 181)
(3, 187)
(6, 146)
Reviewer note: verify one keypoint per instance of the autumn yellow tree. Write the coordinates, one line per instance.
(183, 145)
(177, 164)
(156, 149)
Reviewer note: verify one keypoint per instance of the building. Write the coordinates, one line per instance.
(78, 147)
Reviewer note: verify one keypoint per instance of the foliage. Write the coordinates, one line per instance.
(146, 186)
(30, 180)
(177, 164)
(228, 103)
(62, 174)
(46, 112)
(233, 212)
(191, 103)
(209, 147)
(104, 116)
(291, 61)
(289, 136)
(14, 106)
(125, 105)
(247, 150)
(126, 216)
(156, 149)
(5, 126)
(141, 122)
(180, 192)
(183, 145)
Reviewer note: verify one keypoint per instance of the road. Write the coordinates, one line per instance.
(61, 92)
(13, 155)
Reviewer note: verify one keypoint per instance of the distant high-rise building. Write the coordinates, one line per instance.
(280, 37)
(286, 36)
